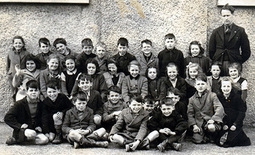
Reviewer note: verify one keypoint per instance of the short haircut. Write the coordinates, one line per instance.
(134, 62)
(123, 42)
(59, 41)
(171, 64)
(81, 96)
(93, 61)
(175, 91)
(170, 36)
(216, 63)
(54, 84)
(44, 41)
(115, 89)
(228, 7)
(22, 40)
(100, 44)
(202, 77)
(110, 61)
(137, 98)
(236, 65)
(86, 42)
(146, 41)
(202, 50)
(84, 77)
(148, 99)
(226, 78)
(167, 101)
(70, 57)
(31, 57)
(32, 84)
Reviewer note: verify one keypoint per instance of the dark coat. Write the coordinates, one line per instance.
(122, 62)
(238, 39)
(156, 89)
(166, 56)
(203, 61)
(20, 114)
(81, 60)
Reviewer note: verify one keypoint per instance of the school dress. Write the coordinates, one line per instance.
(130, 125)
(68, 80)
(123, 61)
(109, 79)
(235, 109)
(152, 61)
(20, 114)
(166, 56)
(201, 110)
(203, 61)
(134, 86)
(214, 84)
(174, 122)
(61, 104)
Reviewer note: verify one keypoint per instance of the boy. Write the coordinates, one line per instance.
(113, 107)
(146, 58)
(87, 48)
(25, 118)
(134, 83)
(205, 112)
(167, 125)
(94, 98)
(62, 49)
(55, 106)
(170, 54)
(78, 124)
(43, 55)
(131, 126)
(123, 58)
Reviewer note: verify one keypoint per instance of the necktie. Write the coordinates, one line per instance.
(227, 29)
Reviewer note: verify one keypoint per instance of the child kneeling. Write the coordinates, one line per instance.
(79, 124)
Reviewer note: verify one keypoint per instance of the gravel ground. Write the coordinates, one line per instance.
(65, 149)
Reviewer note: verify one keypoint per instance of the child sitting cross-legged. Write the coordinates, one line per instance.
(166, 125)
(131, 126)
(79, 124)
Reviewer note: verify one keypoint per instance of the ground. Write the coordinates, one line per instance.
(65, 149)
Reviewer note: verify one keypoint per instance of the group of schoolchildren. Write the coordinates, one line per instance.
(138, 102)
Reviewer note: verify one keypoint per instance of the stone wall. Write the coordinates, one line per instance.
(108, 20)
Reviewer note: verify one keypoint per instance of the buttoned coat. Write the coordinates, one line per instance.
(237, 39)
(153, 61)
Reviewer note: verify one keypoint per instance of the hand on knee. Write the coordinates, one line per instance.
(30, 134)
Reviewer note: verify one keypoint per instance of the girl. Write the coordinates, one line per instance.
(213, 81)
(112, 77)
(98, 80)
(196, 52)
(52, 72)
(22, 76)
(234, 107)
(192, 71)
(69, 76)
(239, 82)
(15, 57)
(101, 58)
(174, 80)
(156, 87)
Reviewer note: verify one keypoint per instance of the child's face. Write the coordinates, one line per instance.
(61, 48)
(226, 87)
(85, 85)
(18, 44)
(80, 105)
(91, 68)
(53, 64)
(87, 49)
(135, 106)
(175, 98)
(166, 109)
(70, 64)
(100, 52)
(194, 50)
(170, 43)
(233, 73)
(134, 70)
(146, 49)
(148, 107)
(112, 69)
(152, 73)
(215, 71)
(193, 72)
(52, 93)
(172, 72)
(114, 97)
(122, 49)
(33, 93)
(30, 65)
(44, 48)
(200, 86)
